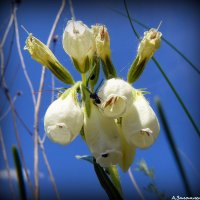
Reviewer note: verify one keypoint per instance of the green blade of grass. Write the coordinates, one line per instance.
(166, 78)
(163, 38)
(19, 173)
(177, 96)
(173, 146)
(106, 183)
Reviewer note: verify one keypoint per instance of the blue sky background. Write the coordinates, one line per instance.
(75, 178)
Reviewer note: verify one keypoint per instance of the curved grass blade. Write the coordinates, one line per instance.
(163, 38)
(114, 175)
(173, 146)
(106, 183)
(177, 96)
(166, 78)
(19, 173)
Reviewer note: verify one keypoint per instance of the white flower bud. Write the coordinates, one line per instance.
(149, 44)
(116, 96)
(102, 137)
(79, 43)
(102, 41)
(63, 120)
(140, 125)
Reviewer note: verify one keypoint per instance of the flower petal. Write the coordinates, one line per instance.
(140, 125)
(102, 137)
(63, 120)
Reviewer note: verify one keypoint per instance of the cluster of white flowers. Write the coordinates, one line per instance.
(122, 119)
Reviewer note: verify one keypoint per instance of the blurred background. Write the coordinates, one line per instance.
(76, 179)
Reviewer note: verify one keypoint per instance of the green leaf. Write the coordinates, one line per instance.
(60, 72)
(136, 70)
(94, 73)
(84, 68)
(172, 144)
(19, 173)
(108, 68)
(65, 94)
(106, 183)
(86, 158)
(114, 175)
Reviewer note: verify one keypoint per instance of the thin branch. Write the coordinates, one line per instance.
(22, 58)
(38, 103)
(7, 30)
(135, 184)
(129, 17)
(9, 98)
(49, 169)
(5, 157)
(9, 55)
(8, 109)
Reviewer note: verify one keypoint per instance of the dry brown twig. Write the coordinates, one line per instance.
(9, 98)
(38, 103)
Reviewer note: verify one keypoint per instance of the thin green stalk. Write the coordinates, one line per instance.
(177, 96)
(173, 146)
(163, 38)
(166, 78)
(19, 173)
(114, 175)
(129, 17)
(84, 79)
(106, 183)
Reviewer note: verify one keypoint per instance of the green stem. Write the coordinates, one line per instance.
(106, 183)
(129, 17)
(114, 175)
(177, 96)
(173, 147)
(84, 79)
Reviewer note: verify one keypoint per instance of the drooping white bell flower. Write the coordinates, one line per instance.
(63, 119)
(102, 137)
(116, 96)
(140, 125)
(79, 44)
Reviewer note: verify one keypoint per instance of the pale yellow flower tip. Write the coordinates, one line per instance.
(79, 43)
(116, 95)
(149, 44)
(102, 40)
(42, 54)
(140, 125)
(39, 51)
(63, 120)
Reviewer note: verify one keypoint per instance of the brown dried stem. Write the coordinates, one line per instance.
(38, 103)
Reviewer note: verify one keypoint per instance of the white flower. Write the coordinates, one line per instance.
(149, 44)
(102, 40)
(116, 96)
(140, 125)
(102, 137)
(79, 43)
(63, 120)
